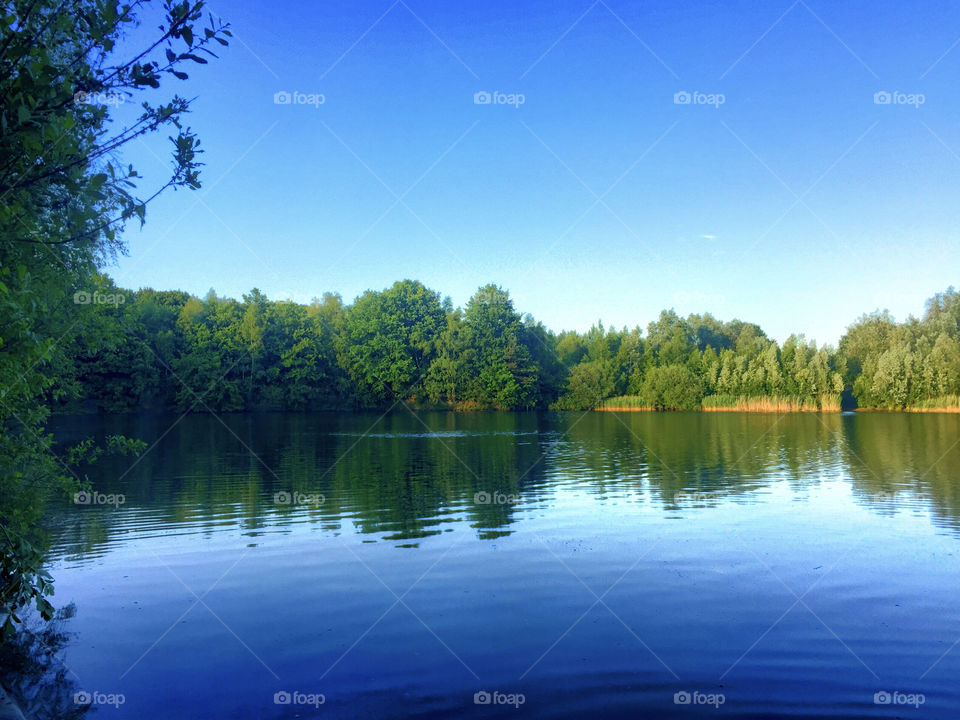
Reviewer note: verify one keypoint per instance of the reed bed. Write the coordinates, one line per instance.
(737, 403)
(632, 403)
(946, 403)
(769, 404)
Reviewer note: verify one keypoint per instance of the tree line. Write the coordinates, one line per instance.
(168, 350)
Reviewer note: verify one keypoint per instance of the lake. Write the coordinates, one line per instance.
(537, 565)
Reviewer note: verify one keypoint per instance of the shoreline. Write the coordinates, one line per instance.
(768, 411)
(946, 410)
(466, 410)
(799, 411)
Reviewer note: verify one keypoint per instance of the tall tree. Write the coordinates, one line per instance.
(66, 198)
(506, 375)
(389, 339)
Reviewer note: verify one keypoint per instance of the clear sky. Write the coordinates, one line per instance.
(782, 193)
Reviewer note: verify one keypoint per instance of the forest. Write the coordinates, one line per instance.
(168, 350)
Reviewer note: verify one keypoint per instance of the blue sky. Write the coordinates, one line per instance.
(783, 193)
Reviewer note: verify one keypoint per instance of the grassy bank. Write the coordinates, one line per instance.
(943, 404)
(733, 403)
(771, 404)
(626, 403)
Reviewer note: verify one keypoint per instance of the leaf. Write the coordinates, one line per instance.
(171, 55)
(45, 608)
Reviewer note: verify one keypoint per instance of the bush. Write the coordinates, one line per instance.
(671, 387)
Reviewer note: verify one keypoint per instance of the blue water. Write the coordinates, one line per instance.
(557, 565)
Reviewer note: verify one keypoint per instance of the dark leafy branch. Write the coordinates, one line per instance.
(65, 196)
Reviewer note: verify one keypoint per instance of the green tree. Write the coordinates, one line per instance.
(448, 377)
(389, 340)
(669, 339)
(893, 379)
(942, 367)
(66, 198)
(671, 387)
(588, 385)
(506, 375)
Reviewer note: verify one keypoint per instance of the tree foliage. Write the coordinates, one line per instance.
(66, 198)
(912, 364)
(168, 350)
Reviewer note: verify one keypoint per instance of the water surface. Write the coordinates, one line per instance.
(598, 565)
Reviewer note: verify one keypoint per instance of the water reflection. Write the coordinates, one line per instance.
(33, 673)
(901, 461)
(700, 532)
(403, 477)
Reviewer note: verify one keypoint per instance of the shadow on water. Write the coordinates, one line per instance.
(33, 673)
